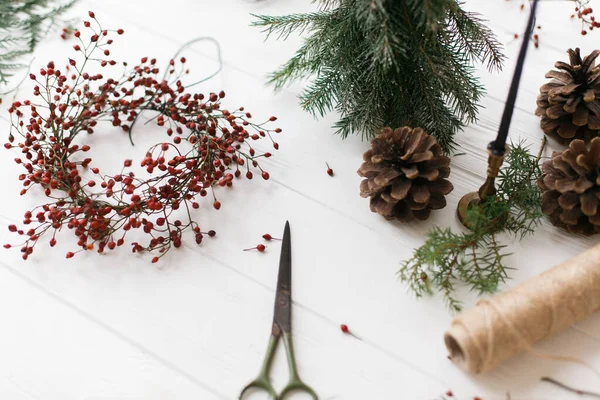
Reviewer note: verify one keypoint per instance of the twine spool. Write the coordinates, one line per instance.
(507, 324)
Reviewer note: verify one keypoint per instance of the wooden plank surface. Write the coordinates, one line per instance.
(195, 327)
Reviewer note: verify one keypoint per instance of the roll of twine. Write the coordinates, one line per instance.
(507, 324)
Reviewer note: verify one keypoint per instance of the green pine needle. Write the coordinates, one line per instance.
(388, 63)
(22, 25)
(475, 257)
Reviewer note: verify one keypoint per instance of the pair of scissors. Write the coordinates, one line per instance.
(282, 326)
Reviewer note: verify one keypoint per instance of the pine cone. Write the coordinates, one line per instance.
(568, 105)
(570, 183)
(405, 171)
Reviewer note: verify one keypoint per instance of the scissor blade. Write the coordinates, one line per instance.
(283, 296)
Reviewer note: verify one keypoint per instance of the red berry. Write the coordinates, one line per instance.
(91, 14)
(276, 146)
(70, 254)
(268, 237)
(329, 170)
(273, 119)
(155, 260)
(12, 228)
(120, 31)
(7, 246)
(449, 393)
(261, 248)
(344, 328)
(265, 175)
(127, 163)
(217, 204)
(212, 233)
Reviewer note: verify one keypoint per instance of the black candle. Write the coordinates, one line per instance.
(498, 146)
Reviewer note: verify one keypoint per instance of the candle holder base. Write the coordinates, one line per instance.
(468, 200)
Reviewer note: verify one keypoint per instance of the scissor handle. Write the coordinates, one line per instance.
(260, 383)
(295, 383)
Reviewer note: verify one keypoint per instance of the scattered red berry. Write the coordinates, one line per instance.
(212, 233)
(344, 328)
(268, 237)
(261, 248)
(329, 170)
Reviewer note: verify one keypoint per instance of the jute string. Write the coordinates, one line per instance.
(509, 323)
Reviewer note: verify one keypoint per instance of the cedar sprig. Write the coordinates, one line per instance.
(476, 257)
(388, 63)
(205, 146)
(22, 25)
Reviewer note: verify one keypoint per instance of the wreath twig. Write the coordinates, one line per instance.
(207, 146)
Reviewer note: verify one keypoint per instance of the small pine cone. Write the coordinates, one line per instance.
(570, 184)
(405, 171)
(569, 104)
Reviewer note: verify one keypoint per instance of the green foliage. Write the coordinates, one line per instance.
(475, 257)
(22, 24)
(388, 63)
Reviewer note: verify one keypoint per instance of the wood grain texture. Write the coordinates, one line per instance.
(196, 326)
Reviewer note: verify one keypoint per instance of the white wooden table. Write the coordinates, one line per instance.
(196, 325)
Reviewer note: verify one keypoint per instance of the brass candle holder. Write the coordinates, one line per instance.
(487, 190)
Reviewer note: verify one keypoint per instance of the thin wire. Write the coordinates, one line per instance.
(199, 39)
(219, 69)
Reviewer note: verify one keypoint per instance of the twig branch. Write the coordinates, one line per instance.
(570, 389)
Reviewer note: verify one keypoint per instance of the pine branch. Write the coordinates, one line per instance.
(476, 257)
(319, 97)
(22, 25)
(284, 26)
(388, 63)
(477, 40)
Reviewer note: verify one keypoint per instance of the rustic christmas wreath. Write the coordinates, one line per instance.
(207, 146)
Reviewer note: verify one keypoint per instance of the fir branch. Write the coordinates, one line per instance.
(468, 30)
(476, 257)
(388, 63)
(284, 26)
(22, 25)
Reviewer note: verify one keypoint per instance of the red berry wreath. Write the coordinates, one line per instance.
(207, 146)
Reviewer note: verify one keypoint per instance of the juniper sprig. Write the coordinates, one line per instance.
(476, 257)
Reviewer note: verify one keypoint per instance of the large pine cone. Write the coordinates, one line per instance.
(568, 105)
(570, 183)
(405, 171)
